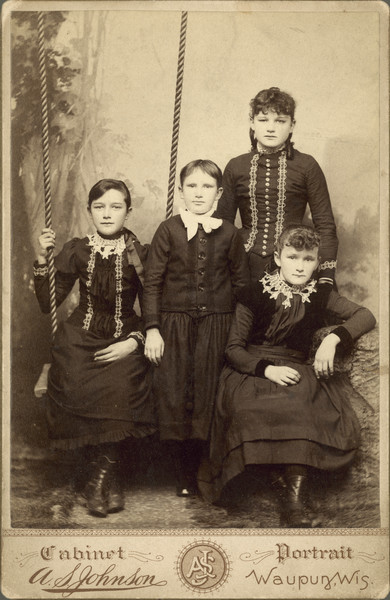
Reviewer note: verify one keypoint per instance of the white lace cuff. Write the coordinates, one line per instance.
(328, 264)
(137, 335)
(41, 271)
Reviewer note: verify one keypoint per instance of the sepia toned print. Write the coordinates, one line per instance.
(134, 91)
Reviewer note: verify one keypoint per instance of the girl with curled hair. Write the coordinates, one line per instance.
(274, 410)
(272, 185)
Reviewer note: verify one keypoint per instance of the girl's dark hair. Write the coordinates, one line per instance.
(272, 99)
(300, 237)
(102, 186)
(207, 166)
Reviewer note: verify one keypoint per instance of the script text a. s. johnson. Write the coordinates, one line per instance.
(85, 578)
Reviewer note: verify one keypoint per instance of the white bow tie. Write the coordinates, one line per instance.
(191, 222)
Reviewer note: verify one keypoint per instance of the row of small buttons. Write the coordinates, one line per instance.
(201, 272)
(202, 255)
(268, 214)
(189, 406)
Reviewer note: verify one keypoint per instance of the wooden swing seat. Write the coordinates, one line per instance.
(40, 388)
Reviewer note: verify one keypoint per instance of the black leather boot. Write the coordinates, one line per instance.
(278, 484)
(295, 511)
(97, 489)
(189, 459)
(116, 498)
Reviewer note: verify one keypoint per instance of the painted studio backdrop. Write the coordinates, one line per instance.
(111, 86)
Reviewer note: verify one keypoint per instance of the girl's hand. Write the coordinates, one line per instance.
(116, 351)
(282, 375)
(154, 346)
(324, 358)
(46, 240)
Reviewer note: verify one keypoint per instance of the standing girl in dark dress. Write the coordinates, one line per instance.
(99, 380)
(272, 185)
(195, 267)
(273, 408)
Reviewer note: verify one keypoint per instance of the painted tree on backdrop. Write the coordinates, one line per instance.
(82, 146)
(82, 150)
(73, 100)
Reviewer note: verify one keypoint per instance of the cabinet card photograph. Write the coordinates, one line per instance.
(195, 299)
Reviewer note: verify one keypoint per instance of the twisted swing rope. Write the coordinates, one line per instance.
(46, 166)
(176, 114)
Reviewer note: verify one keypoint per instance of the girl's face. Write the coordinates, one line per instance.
(271, 129)
(109, 212)
(297, 266)
(199, 192)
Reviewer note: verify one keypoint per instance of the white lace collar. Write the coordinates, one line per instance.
(274, 285)
(105, 246)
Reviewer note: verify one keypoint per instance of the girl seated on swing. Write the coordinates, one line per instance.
(273, 408)
(99, 381)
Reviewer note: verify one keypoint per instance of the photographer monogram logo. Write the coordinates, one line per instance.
(203, 566)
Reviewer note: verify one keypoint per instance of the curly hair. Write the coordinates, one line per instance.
(272, 99)
(300, 237)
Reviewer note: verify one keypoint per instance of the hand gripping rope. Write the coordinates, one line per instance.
(46, 167)
(41, 385)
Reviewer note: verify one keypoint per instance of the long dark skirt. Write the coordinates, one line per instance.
(92, 403)
(260, 422)
(187, 379)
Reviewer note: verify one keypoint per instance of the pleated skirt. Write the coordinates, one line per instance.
(90, 402)
(186, 381)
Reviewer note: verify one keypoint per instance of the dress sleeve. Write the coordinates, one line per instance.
(156, 267)
(65, 277)
(227, 204)
(322, 214)
(357, 319)
(238, 264)
(236, 353)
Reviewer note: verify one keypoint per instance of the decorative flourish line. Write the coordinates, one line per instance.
(141, 556)
(370, 558)
(79, 589)
(24, 558)
(256, 557)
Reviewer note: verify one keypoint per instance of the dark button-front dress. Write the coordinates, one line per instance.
(270, 191)
(190, 290)
(260, 422)
(91, 402)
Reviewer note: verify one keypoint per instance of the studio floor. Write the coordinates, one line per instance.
(44, 494)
